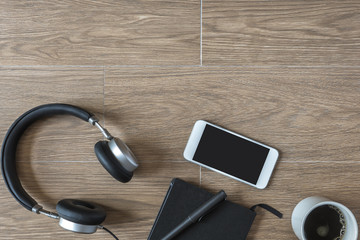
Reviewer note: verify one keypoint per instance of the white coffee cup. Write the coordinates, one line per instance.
(307, 205)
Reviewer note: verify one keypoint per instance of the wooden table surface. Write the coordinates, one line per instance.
(286, 73)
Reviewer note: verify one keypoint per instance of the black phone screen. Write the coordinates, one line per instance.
(231, 154)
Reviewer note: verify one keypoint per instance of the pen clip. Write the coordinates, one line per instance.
(210, 211)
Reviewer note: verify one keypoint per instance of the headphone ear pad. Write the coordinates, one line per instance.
(110, 163)
(81, 212)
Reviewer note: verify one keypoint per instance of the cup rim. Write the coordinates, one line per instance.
(342, 207)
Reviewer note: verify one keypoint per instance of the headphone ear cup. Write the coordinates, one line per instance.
(110, 163)
(81, 212)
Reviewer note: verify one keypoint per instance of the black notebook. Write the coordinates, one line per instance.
(228, 221)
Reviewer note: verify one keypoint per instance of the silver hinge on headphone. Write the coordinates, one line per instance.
(95, 122)
(40, 210)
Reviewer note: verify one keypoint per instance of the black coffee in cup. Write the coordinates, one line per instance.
(325, 222)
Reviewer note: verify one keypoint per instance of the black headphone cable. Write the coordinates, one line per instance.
(107, 230)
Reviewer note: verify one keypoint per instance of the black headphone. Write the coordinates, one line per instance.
(74, 215)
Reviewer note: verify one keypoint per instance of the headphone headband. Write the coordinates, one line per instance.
(12, 137)
(74, 215)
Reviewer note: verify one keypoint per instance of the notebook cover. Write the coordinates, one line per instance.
(229, 221)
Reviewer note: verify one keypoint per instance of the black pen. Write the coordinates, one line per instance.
(197, 214)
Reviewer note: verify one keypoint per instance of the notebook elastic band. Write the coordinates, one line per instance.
(267, 207)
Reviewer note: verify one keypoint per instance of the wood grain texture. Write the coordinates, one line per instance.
(25, 88)
(106, 32)
(288, 107)
(49, 142)
(292, 181)
(268, 33)
(293, 83)
(56, 159)
(131, 208)
(310, 115)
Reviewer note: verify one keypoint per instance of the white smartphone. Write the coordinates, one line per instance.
(231, 154)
